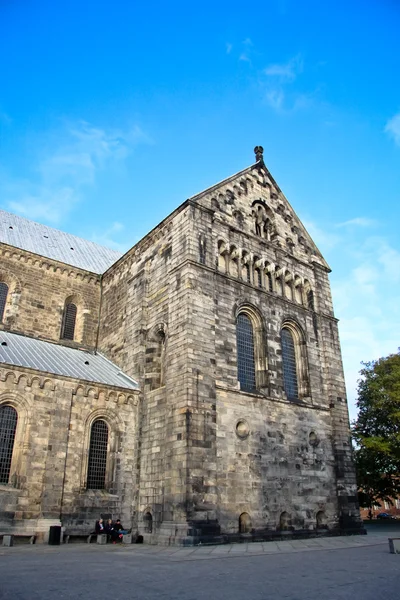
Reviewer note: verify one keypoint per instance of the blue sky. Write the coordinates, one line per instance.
(113, 113)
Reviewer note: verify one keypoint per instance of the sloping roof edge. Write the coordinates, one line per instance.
(48, 357)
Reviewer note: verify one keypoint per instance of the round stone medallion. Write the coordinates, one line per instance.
(242, 429)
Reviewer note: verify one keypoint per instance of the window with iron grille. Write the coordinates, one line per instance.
(8, 425)
(96, 477)
(245, 353)
(3, 298)
(289, 365)
(68, 329)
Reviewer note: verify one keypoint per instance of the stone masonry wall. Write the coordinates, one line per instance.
(144, 317)
(210, 452)
(259, 453)
(49, 464)
(38, 289)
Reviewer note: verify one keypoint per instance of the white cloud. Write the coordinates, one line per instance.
(275, 98)
(67, 163)
(389, 258)
(365, 287)
(325, 240)
(245, 55)
(393, 128)
(358, 222)
(5, 119)
(108, 238)
(278, 80)
(286, 72)
(229, 48)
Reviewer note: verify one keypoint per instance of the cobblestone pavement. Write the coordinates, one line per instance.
(358, 567)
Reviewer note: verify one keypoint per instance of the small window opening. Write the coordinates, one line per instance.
(269, 281)
(3, 298)
(244, 523)
(148, 522)
(68, 329)
(310, 299)
(285, 521)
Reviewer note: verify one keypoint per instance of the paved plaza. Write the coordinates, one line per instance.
(358, 567)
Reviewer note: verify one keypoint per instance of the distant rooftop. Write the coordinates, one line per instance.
(52, 243)
(22, 351)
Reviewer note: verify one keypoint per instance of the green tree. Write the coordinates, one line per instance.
(376, 431)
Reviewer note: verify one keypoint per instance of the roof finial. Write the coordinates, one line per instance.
(258, 151)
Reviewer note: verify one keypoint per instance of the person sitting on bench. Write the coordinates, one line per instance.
(118, 531)
(99, 527)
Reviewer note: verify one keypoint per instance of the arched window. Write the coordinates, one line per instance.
(3, 298)
(289, 364)
(309, 295)
(285, 521)
(69, 320)
(245, 353)
(147, 522)
(258, 280)
(8, 425)
(97, 465)
(244, 523)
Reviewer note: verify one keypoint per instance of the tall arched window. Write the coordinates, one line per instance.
(97, 465)
(3, 298)
(289, 364)
(8, 425)
(245, 353)
(69, 320)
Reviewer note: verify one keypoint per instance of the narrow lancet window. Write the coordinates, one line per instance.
(97, 465)
(289, 365)
(245, 353)
(3, 298)
(8, 425)
(69, 320)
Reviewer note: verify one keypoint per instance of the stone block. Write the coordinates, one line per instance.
(127, 538)
(102, 539)
(394, 545)
(8, 540)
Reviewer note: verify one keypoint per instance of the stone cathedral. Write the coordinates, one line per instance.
(192, 387)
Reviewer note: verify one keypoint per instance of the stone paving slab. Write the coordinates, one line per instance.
(208, 552)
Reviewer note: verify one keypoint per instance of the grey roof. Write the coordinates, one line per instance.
(52, 243)
(23, 351)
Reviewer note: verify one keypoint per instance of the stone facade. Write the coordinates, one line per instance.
(47, 484)
(38, 290)
(200, 457)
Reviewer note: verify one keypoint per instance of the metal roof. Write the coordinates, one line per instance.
(36, 354)
(52, 243)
